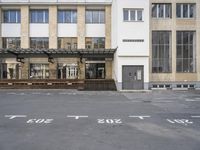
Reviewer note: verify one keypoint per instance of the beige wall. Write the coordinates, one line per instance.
(0, 27)
(81, 26)
(173, 25)
(108, 27)
(53, 27)
(24, 27)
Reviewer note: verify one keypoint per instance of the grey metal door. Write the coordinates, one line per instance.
(132, 77)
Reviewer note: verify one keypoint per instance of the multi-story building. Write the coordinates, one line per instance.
(139, 44)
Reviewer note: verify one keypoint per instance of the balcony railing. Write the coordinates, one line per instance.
(54, 1)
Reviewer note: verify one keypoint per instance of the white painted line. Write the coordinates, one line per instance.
(163, 101)
(140, 117)
(36, 93)
(77, 117)
(15, 116)
(11, 93)
(192, 100)
(195, 116)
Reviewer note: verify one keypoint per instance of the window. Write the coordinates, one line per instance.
(11, 16)
(161, 10)
(39, 71)
(95, 43)
(161, 51)
(95, 70)
(9, 71)
(185, 51)
(133, 14)
(11, 42)
(67, 71)
(39, 43)
(67, 16)
(67, 43)
(39, 16)
(95, 16)
(185, 10)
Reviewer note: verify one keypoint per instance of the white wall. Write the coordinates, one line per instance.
(67, 30)
(95, 30)
(39, 30)
(11, 30)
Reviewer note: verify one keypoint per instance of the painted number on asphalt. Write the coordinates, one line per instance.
(109, 121)
(180, 121)
(39, 121)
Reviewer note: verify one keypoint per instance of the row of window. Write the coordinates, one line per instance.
(42, 71)
(64, 16)
(65, 43)
(165, 10)
(162, 51)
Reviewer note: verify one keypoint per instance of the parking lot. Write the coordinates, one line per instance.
(79, 120)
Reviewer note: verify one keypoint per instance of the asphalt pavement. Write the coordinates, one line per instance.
(99, 120)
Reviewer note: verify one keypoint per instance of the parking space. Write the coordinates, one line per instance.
(77, 120)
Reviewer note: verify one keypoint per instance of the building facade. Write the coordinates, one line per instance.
(139, 44)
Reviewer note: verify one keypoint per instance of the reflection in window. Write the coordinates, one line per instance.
(67, 43)
(185, 54)
(39, 16)
(161, 10)
(39, 71)
(185, 10)
(39, 43)
(95, 71)
(95, 16)
(95, 43)
(11, 43)
(67, 71)
(11, 16)
(133, 14)
(9, 71)
(161, 51)
(67, 16)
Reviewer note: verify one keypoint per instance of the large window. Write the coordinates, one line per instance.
(95, 16)
(67, 43)
(95, 42)
(185, 54)
(67, 71)
(9, 71)
(161, 51)
(185, 10)
(161, 10)
(95, 71)
(39, 71)
(11, 42)
(11, 16)
(39, 43)
(133, 14)
(39, 16)
(67, 16)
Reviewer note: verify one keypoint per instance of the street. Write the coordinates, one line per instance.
(99, 120)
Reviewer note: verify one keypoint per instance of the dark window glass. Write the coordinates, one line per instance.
(95, 16)
(67, 43)
(11, 16)
(39, 16)
(11, 43)
(185, 10)
(95, 43)
(39, 43)
(95, 71)
(39, 71)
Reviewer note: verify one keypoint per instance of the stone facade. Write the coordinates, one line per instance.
(108, 26)
(175, 24)
(25, 27)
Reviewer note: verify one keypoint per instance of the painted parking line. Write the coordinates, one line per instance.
(140, 117)
(192, 100)
(180, 121)
(15, 116)
(76, 117)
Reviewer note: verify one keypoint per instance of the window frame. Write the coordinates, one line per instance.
(92, 11)
(38, 41)
(188, 11)
(164, 10)
(136, 10)
(64, 16)
(17, 16)
(36, 20)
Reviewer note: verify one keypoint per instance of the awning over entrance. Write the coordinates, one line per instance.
(83, 53)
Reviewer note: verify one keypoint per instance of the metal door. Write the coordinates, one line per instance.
(132, 77)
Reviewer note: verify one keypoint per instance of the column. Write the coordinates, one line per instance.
(108, 27)
(53, 27)
(108, 67)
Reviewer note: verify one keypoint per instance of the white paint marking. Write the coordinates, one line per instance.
(36, 93)
(140, 117)
(195, 116)
(192, 100)
(39, 121)
(11, 93)
(109, 121)
(180, 121)
(77, 117)
(15, 116)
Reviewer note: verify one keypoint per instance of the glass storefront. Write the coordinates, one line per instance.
(69, 71)
(9, 71)
(95, 70)
(39, 71)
